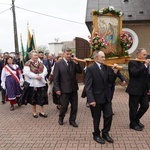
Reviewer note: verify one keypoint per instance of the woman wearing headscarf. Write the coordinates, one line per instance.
(35, 72)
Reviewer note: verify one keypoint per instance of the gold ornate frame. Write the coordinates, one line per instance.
(102, 24)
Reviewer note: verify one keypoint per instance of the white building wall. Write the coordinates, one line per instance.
(52, 48)
(55, 48)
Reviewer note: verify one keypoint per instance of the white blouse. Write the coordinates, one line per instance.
(6, 73)
(31, 77)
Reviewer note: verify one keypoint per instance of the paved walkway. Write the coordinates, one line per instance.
(20, 131)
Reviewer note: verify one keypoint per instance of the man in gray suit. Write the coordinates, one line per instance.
(66, 86)
(97, 79)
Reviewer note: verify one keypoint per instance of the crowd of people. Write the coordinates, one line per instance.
(45, 71)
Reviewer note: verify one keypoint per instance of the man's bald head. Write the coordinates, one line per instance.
(101, 53)
(141, 53)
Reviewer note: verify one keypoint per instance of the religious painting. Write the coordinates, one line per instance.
(109, 27)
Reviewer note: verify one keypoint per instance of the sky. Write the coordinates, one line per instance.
(47, 27)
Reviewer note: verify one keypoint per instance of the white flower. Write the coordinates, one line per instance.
(111, 8)
(120, 13)
(101, 11)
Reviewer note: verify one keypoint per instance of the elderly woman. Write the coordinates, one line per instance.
(11, 78)
(35, 72)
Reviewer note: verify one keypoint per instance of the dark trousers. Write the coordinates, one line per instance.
(64, 100)
(138, 105)
(107, 116)
(111, 90)
(3, 92)
(56, 98)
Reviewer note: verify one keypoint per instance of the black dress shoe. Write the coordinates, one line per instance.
(43, 115)
(60, 121)
(35, 116)
(3, 102)
(108, 139)
(141, 125)
(137, 128)
(74, 124)
(99, 140)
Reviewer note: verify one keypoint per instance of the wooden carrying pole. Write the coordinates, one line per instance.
(109, 65)
(140, 60)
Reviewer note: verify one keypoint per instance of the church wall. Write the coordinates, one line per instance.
(143, 32)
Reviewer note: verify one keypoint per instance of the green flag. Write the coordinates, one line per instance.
(22, 50)
(30, 44)
(30, 47)
(34, 39)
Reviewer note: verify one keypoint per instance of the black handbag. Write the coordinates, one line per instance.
(24, 93)
(26, 84)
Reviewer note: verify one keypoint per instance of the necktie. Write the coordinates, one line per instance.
(69, 66)
(102, 69)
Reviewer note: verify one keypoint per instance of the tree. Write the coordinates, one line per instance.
(42, 48)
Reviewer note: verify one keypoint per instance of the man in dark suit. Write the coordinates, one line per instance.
(2, 63)
(97, 78)
(51, 63)
(138, 89)
(18, 61)
(65, 85)
(148, 57)
(112, 85)
(45, 62)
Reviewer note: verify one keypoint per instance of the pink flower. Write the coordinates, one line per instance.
(97, 42)
(89, 37)
(96, 33)
(90, 42)
(126, 40)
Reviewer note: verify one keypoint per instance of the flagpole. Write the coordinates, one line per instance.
(22, 50)
(34, 41)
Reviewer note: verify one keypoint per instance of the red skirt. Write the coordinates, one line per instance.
(13, 101)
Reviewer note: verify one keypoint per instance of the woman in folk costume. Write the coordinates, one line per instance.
(12, 79)
(35, 72)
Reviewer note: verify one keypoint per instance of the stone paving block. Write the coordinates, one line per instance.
(20, 131)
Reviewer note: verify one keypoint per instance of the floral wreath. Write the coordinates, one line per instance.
(110, 9)
(126, 41)
(97, 42)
